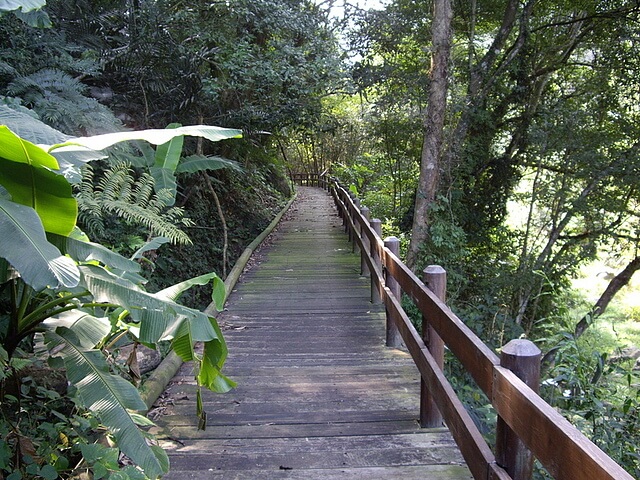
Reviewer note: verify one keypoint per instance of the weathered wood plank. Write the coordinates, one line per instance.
(431, 472)
(318, 396)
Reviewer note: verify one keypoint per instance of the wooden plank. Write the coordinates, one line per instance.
(435, 455)
(296, 430)
(422, 472)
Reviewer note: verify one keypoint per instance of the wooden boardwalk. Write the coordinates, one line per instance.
(319, 396)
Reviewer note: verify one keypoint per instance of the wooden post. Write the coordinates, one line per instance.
(522, 357)
(356, 227)
(364, 268)
(394, 339)
(376, 225)
(435, 278)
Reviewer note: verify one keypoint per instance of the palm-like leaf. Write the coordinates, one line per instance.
(110, 397)
(197, 163)
(89, 330)
(25, 173)
(160, 318)
(154, 136)
(152, 244)
(25, 5)
(24, 245)
(86, 251)
(23, 123)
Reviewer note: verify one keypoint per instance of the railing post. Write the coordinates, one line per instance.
(522, 357)
(435, 278)
(394, 339)
(376, 225)
(364, 268)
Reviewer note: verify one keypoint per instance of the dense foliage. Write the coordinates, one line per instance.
(537, 174)
(107, 66)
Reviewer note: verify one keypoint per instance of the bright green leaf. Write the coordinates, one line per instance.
(24, 245)
(154, 136)
(25, 173)
(25, 5)
(197, 163)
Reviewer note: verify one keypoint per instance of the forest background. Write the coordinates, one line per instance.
(537, 167)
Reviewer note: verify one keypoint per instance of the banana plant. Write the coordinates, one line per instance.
(78, 292)
(167, 161)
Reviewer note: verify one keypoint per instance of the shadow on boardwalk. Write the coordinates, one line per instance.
(319, 396)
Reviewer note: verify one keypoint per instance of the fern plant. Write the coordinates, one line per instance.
(118, 193)
(59, 100)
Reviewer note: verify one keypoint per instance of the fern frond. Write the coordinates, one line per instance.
(144, 190)
(59, 99)
(119, 194)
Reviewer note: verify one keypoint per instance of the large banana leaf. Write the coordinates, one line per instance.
(25, 172)
(109, 288)
(165, 179)
(25, 5)
(23, 123)
(24, 245)
(166, 161)
(110, 397)
(86, 251)
(197, 163)
(153, 244)
(89, 330)
(154, 136)
(162, 319)
(218, 292)
(168, 154)
(34, 18)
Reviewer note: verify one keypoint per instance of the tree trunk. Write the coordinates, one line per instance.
(615, 285)
(430, 163)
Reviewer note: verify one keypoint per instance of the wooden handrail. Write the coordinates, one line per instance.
(560, 447)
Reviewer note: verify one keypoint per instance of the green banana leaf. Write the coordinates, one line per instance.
(89, 330)
(25, 172)
(153, 244)
(159, 318)
(34, 18)
(23, 123)
(154, 136)
(24, 245)
(110, 397)
(168, 154)
(166, 161)
(197, 163)
(25, 5)
(218, 293)
(165, 179)
(86, 251)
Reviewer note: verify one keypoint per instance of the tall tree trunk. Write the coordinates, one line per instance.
(615, 285)
(430, 163)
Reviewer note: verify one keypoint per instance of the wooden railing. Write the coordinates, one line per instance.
(527, 426)
(310, 179)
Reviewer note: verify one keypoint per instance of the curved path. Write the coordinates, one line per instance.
(319, 396)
